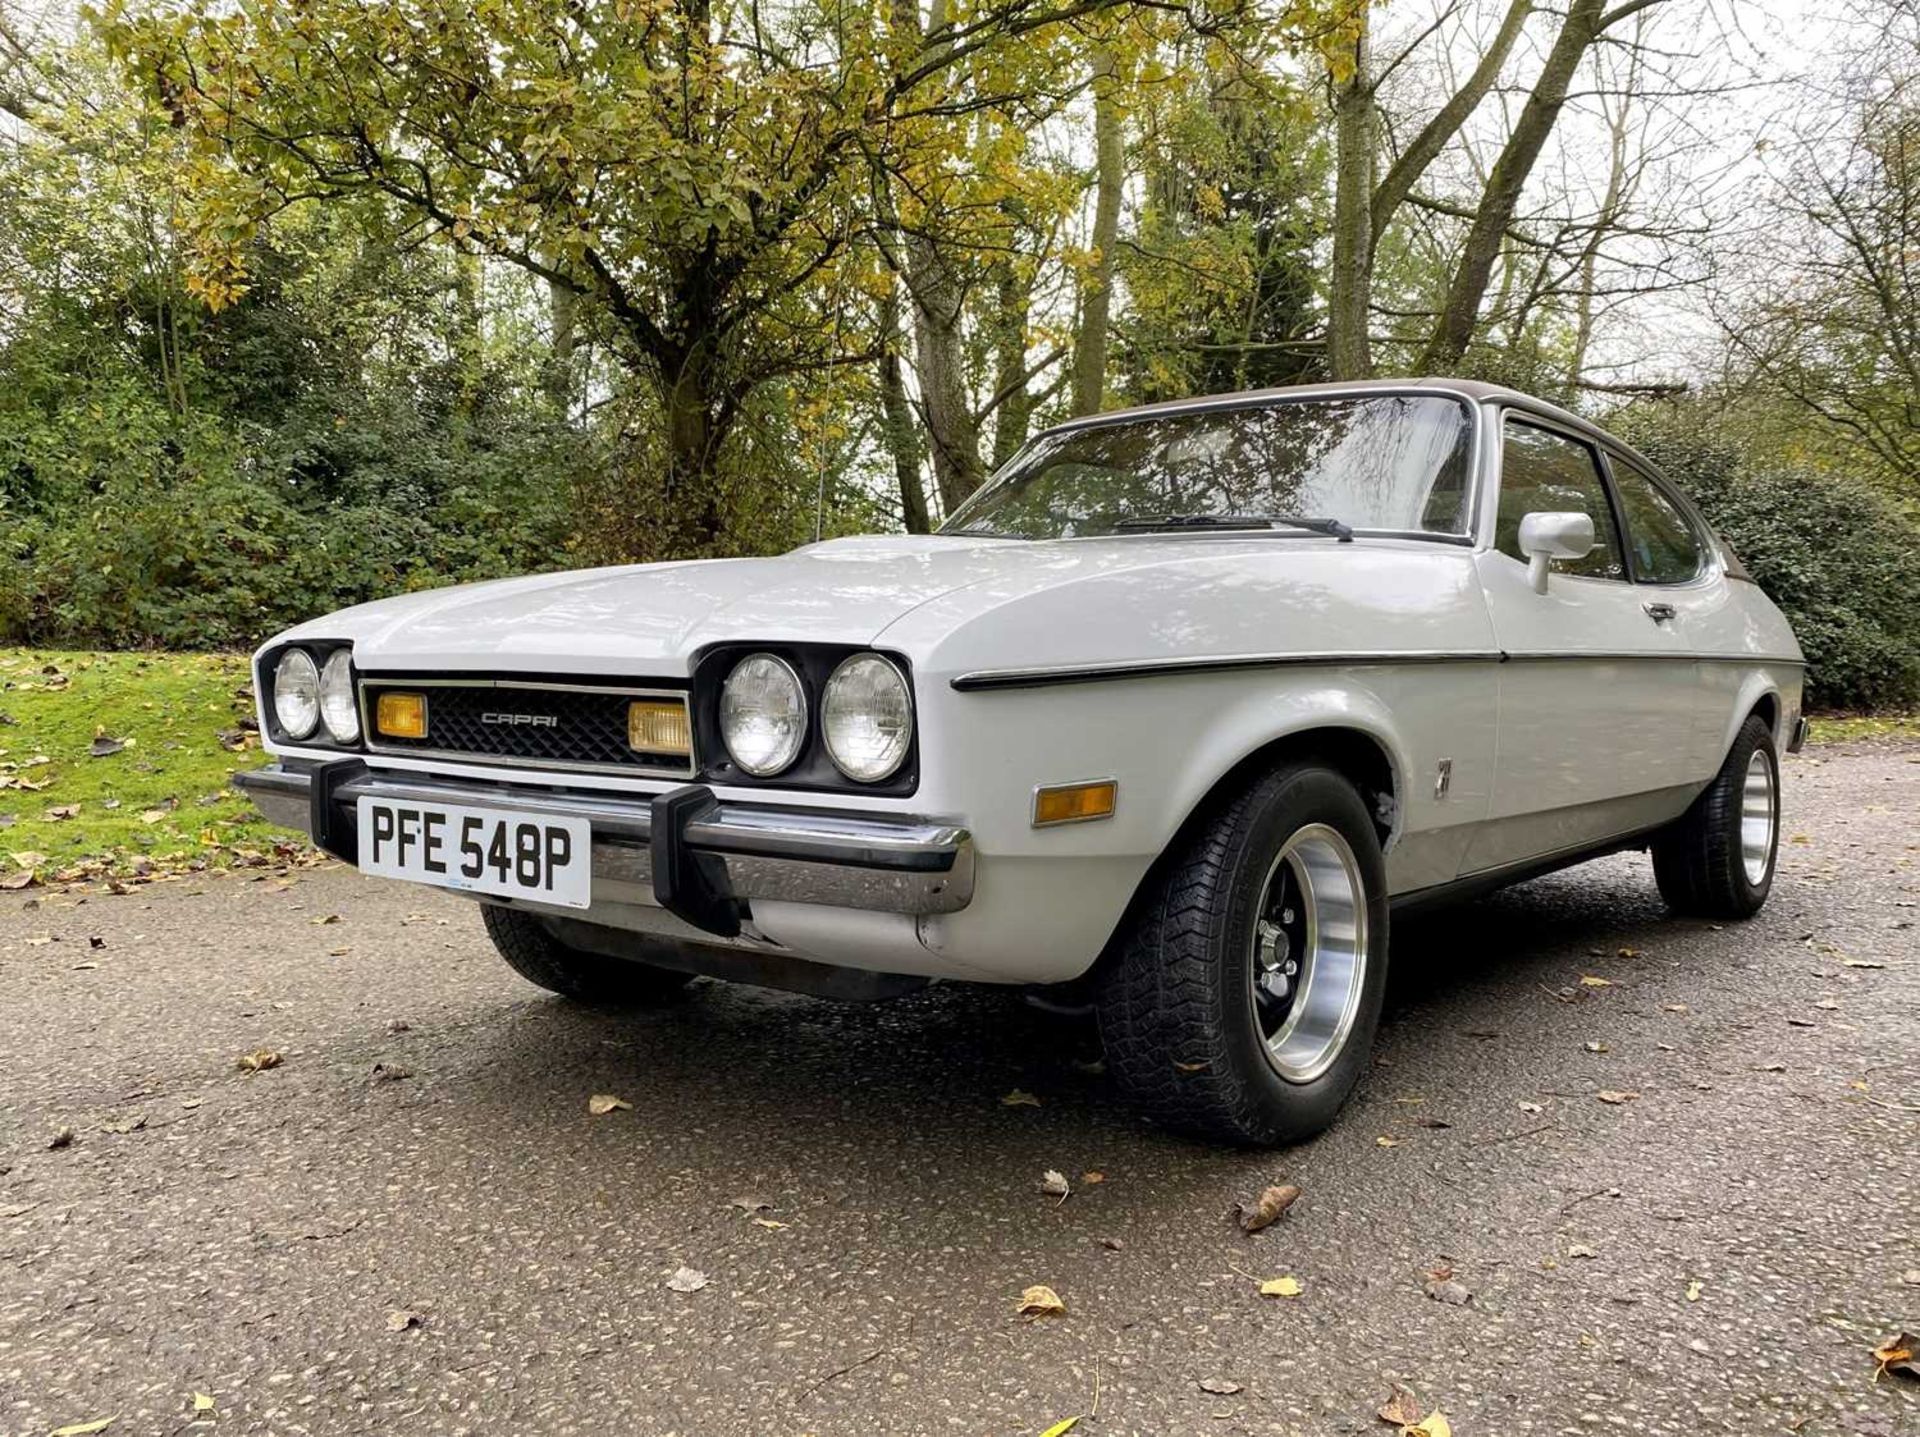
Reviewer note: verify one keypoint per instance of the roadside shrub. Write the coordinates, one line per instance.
(1840, 558)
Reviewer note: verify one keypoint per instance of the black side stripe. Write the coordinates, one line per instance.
(986, 679)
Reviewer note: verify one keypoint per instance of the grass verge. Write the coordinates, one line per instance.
(1841, 728)
(119, 764)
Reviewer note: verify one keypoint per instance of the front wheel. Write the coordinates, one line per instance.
(1716, 860)
(1243, 999)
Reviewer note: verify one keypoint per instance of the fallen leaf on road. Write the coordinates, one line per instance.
(326, 918)
(750, 1204)
(1112, 1244)
(202, 1402)
(768, 1222)
(82, 1429)
(123, 1126)
(1674, 1008)
(1587, 980)
(1220, 1386)
(1530, 1107)
(1911, 1277)
(1610, 1095)
(1800, 1022)
(1091, 1178)
(687, 1279)
(259, 1060)
(1580, 1249)
(1019, 1099)
(1597, 1047)
(1274, 1201)
(1402, 1408)
(600, 1104)
(1898, 1355)
(1434, 1424)
(1629, 952)
(1450, 1291)
(1054, 1184)
(390, 1072)
(1041, 1301)
(1694, 1289)
(1060, 1429)
(1384, 1141)
(62, 1138)
(14, 882)
(1280, 1287)
(1861, 963)
(1432, 1123)
(401, 1318)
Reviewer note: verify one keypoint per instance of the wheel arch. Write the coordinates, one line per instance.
(1359, 751)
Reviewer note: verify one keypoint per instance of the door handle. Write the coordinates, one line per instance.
(1659, 613)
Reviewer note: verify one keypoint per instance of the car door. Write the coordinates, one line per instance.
(1683, 589)
(1597, 715)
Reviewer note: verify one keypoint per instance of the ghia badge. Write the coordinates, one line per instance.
(519, 720)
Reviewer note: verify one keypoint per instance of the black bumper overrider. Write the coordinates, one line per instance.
(701, 858)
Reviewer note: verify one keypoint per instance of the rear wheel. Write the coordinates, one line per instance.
(1243, 1000)
(1716, 860)
(543, 960)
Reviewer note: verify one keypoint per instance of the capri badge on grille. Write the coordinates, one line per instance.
(522, 720)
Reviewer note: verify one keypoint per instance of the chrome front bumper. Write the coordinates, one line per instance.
(701, 858)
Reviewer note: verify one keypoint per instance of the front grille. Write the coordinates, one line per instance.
(549, 725)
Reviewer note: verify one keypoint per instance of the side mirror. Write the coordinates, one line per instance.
(1545, 537)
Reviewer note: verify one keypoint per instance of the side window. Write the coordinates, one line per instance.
(1661, 543)
(1541, 471)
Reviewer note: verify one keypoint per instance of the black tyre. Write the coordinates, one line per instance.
(1716, 860)
(1242, 1001)
(543, 960)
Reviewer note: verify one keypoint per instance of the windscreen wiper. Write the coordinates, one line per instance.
(1333, 527)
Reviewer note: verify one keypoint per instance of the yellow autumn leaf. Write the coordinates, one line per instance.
(1434, 1424)
(202, 1402)
(1060, 1429)
(81, 1429)
(1041, 1301)
(1587, 980)
(1280, 1287)
(600, 1104)
(1019, 1099)
(1694, 1289)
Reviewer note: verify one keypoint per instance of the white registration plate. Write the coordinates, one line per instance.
(479, 850)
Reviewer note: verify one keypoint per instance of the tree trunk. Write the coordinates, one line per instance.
(696, 423)
(903, 440)
(1350, 286)
(1013, 414)
(1460, 312)
(563, 307)
(939, 303)
(1096, 291)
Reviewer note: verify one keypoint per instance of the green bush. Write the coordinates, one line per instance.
(1841, 559)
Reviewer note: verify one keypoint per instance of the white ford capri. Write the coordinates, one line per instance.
(1177, 710)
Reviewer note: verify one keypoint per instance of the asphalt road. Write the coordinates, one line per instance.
(1718, 1254)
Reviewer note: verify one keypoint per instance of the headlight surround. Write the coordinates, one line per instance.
(296, 694)
(763, 715)
(866, 717)
(338, 709)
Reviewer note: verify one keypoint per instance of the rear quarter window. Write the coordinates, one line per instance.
(1661, 545)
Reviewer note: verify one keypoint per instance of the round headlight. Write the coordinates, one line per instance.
(296, 693)
(337, 707)
(867, 717)
(763, 714)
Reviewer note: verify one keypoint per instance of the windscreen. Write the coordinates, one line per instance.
(1383, 462)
